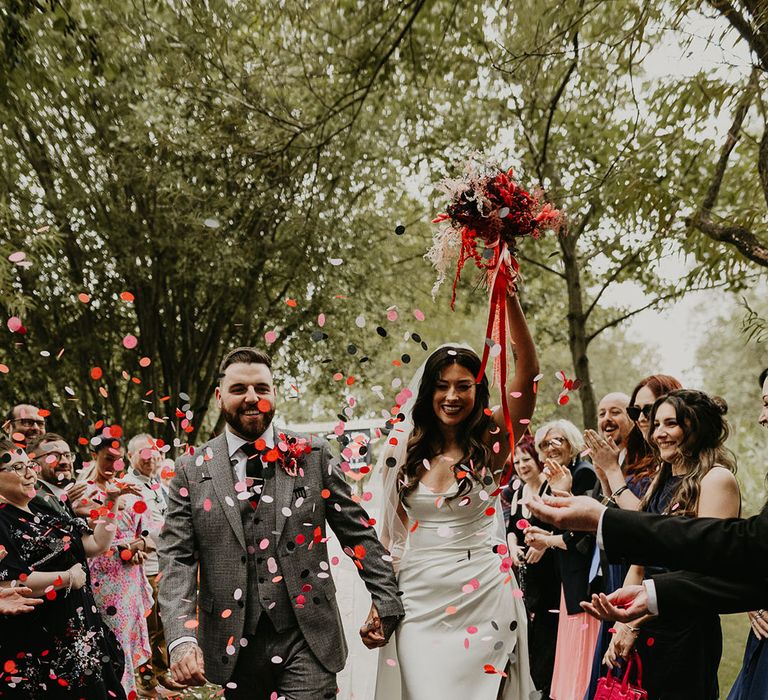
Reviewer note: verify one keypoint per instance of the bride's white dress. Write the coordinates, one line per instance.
(464, 623)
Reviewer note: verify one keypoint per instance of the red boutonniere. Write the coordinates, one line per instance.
(288, 453)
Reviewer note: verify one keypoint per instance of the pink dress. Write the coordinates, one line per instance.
(121, 589)
(576, 642)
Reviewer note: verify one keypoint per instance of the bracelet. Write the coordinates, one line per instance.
(633, 630)
(69, 584)
(619, 491)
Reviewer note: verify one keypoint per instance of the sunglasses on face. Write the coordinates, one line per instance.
(634, 412)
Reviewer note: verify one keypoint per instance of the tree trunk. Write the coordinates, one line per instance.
(577, 331)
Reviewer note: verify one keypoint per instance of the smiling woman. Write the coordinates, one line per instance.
(464, 630)
(59, 649)
(687, 434)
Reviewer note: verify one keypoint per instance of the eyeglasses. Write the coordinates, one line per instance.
(29, 422)
(58, 456)
(21, 467)
(634, 412)
(552, 442)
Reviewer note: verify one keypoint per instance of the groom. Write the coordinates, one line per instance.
(246, 594)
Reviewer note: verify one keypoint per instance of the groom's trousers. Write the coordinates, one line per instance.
(281, 663)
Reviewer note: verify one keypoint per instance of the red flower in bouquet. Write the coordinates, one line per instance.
(288, 453)
(488, 206)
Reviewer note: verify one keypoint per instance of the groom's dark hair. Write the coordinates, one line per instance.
(250, 356)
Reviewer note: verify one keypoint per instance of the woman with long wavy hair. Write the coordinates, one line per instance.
(681, 654)
(464, 630)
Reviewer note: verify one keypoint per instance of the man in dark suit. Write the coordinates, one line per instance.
(724, 563)
(246, 594)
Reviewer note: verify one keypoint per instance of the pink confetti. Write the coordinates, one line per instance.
(270, 337)
(130, 341)
(517, 593)
(17, 257)
(392, 314)
(321, 320)
(419, 314)
(522, 524)
(207, 504)
(391, 662)
(14, 324)
(471, 629)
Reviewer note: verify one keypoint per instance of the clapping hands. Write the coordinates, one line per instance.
(559, 477)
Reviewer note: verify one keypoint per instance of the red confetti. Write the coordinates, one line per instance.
(127, 296)
(264, 406)
(139, 507)
(96, 373)
(522, 524)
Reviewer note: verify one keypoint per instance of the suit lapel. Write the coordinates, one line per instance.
(223, 476)
(283, 493)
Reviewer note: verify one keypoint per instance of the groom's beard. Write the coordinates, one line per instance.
(249, 427)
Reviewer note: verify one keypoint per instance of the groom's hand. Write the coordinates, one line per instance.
(372, 632)
(573, 513)
(187, 666)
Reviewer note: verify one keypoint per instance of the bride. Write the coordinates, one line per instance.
(464, 630)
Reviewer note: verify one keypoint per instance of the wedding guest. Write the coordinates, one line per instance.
(627, 479)
(560, 442)
(62, 649)
(624, 462)
(752, 681)
(24, 422)
(55, 483)
(537, 568)
(145, 458)
(681, 653)
(120, 587)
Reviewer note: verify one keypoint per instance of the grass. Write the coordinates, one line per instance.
(735, 629)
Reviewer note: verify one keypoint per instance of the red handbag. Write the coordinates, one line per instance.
(609, 687)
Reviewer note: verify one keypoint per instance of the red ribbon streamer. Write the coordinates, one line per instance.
(497, 320)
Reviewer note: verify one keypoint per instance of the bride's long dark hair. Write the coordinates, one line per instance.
(426, 440)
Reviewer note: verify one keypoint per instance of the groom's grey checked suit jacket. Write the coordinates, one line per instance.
(208, 529)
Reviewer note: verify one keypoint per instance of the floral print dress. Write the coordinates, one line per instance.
(63, 649)
(120, 587)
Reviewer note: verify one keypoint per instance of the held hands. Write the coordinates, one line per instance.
(372, 631)
(558, 476)
(621, 645)
(532, 556)
(759, 623)
(17, 600)
(624, 605)
(187, 665)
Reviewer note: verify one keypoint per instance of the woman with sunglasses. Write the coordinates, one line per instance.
(681, 653)
(62, 649)
(626, 483)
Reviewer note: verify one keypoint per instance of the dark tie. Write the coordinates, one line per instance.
(254, 469)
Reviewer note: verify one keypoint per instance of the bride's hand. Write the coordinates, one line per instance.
(372, 632)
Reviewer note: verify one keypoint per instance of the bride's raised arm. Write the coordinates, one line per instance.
(521, 397)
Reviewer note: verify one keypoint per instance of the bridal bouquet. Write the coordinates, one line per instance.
(487, 206)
